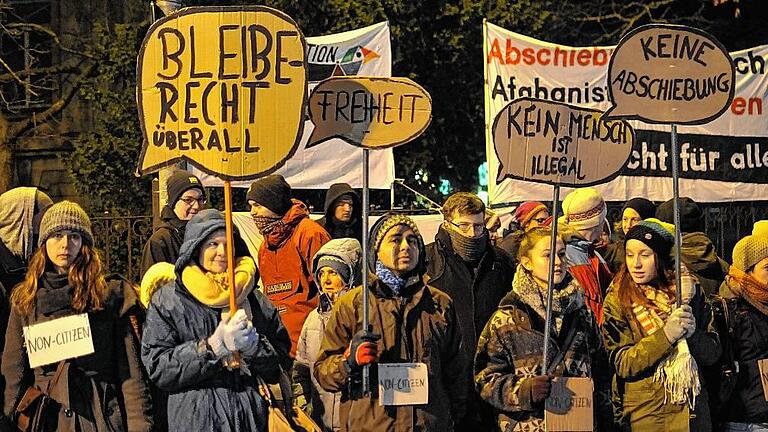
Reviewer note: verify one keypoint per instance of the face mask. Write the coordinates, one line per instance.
(469, 249)
(266, 224)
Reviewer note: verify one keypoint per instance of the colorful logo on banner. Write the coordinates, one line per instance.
(224, 88)
(323, 60)
(554, 143)
(374, 113)
(662, 73)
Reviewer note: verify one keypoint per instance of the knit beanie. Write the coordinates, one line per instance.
(65, 215)
(760, 228)
(272, 192)
(645, 208)
(527, 210)
(180, 182)
(338, 265)
(749, 251)
(654, 234)
(584, 208)
(691, 217)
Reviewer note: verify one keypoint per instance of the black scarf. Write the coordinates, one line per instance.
(54, 293)
(469, 249)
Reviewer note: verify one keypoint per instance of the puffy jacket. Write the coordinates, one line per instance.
(419, 325)
(103, 391)
(287, 276)
(164, 244)
(749, 344)
(510, 351)
(352, 229)
(639, 401)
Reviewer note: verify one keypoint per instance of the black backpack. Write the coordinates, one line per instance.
(722, 376)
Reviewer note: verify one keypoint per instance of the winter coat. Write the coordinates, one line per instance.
(352, 229)
(324, 405)
(510, 351)
(476, 293)
(287, 277)
(164, 244)
(749, 344)
(589, 268)
(510, 244)
(615, 254)
(699, 255)
(419, 325)
(102, 391)
(639, 401)
(203, 394)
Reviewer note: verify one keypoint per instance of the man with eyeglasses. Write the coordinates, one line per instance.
(464, 264)
(186, 197)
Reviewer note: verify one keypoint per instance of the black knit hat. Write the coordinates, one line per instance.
(645, 208)
(180, 182)
(691, 217)
(272, 192)
(654, 235)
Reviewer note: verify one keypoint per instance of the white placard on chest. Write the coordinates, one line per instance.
(59, 339)
(403, 384)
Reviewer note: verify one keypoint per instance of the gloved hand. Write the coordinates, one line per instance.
(362, 350)
(216, 340)
(239, 334)
(680, 323)
(540, 387)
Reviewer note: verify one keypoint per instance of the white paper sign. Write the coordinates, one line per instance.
(59, 339)
(403, 384)
(569, 406)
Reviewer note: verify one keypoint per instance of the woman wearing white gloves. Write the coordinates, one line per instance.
(189, 337)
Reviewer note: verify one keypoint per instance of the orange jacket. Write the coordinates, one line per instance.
(286, 271)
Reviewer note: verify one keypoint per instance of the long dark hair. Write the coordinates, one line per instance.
(85, 275)
(629, 292)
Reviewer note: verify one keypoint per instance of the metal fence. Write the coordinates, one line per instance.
(725, 223)
(121, 239)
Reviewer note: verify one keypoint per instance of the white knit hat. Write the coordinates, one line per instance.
(584, 208)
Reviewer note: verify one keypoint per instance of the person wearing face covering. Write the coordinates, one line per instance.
(464, 264)
(337, 270)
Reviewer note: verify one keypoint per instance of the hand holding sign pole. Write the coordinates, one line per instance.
(558, 144)
(224, 89)
(662, 73)
(372, 113)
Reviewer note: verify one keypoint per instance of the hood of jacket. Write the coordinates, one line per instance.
(347, 250)
(335, 192)
(156, 276)
(328, 221)
(17, 207)
(699, 253)
(197, 230)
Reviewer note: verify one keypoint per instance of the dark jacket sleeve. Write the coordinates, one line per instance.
(274, 343)
(496, 378)
(630, 358)
(135, 389)
(704, 343)
(331, 369)
(157, 249)
(15, 367)
(172, 364)
(601, 376)
(456, 367)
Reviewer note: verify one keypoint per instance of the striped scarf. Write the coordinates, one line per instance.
(678, 373)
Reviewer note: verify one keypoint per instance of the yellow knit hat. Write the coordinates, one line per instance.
(749, 251)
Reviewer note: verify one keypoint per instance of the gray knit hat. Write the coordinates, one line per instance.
(65, 215)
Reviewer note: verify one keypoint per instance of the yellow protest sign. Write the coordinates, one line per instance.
(224, 88)
(559, 144)
(663, 73)
(374, 113)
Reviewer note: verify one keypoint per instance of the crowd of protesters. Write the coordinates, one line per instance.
(468, 310)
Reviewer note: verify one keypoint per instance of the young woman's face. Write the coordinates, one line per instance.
(629, 218)
(537, 261)
(760, 271)
(641, 262)
(62, 248)
(213, 252)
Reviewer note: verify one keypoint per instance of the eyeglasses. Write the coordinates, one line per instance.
(465, 226)
(191, 201)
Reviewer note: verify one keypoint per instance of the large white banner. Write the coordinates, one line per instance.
(725, 160)
(364, 52)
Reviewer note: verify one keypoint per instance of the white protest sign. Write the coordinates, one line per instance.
(403, 384)
(59, 339)
(569, 405)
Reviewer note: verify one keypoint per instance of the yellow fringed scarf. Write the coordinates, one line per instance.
(212, 289)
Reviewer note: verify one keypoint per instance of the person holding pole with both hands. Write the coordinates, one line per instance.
(509, 355)
(190, 339)
(658, 347)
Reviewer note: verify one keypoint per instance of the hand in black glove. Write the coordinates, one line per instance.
(362, 350)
